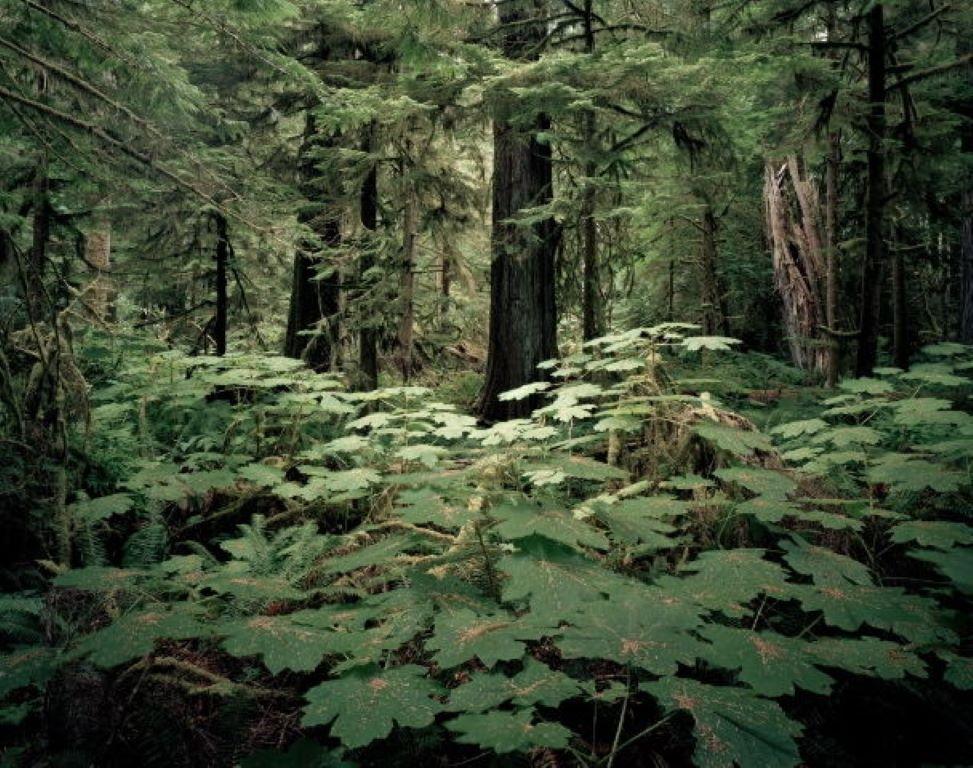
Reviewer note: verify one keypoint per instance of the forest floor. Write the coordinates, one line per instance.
(686, 555)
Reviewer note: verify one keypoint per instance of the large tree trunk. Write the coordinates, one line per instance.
(714, 305)
(966, 201)
(874, 256)
(523, 315)
(592, 315)
(794, 232)
(900, 311)
(222, 256)
(831, 256)
(368, 211)
(407, 280)
(314, 303)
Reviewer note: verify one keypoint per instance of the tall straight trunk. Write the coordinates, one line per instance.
(592, 320)
(874, 257)
(900, 312)
(714, 313)
(368, 211)
(966, 201)
(831, 256)
(222, 256)
(407, 279)
(523, 314)
(314, 303)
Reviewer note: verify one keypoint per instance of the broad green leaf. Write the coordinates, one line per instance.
(903, 472)
(825, 566)
(769, 663)
(280, 641)
(365, 703)
(462, 635)
(103, 507)
(932, 533)
(725, 580)
(525, 391)
(653, 637)
(536, 684)
(425, 506)
(955, 564)
(733, 726)
(135, 634)
(521, 519)
(717, 343)
(739, 442)
(26, 665)
(765, 482)
(556, 579)
(503, 732)
(794, 429)
(867, 656)
(959, 671)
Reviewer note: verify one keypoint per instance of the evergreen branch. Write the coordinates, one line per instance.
(80, 83)
(915, 27)
(106, 138)
(939, 69)
(88, 35)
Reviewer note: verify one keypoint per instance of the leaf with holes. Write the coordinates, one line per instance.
(938, 534)
(365, 703)
(769, 663)
(826, 567)
(522, 518)
(555, 579)
(653, 637)
(765, 482)
(724, 580)
(867, 656)
(733, 726)
(536, 684)
(504, 732)
(460, 635)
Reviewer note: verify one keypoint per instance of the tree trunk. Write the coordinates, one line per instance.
(966, 201)
(831, 255)
(874, 257)
(592, 320)
(98, 253)
(714, 310)
(900, 312)
(794, 233)
(407, 286)
(367, 336)
(222, 256)
(311, 321)
(523, 315)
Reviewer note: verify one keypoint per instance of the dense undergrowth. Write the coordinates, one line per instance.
(272, 570)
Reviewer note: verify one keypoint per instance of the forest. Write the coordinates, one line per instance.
(441, 383)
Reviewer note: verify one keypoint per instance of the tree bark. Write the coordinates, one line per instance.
(900, 312)
(800, 267)
(222, 256)
(874, 256)
(966, 201)
(98, 253)
(367, 336)
(592, 321)
(523, 314)
(314, 303)
(407, 286)
(40, 236)
(714, 310)
(831, 255)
